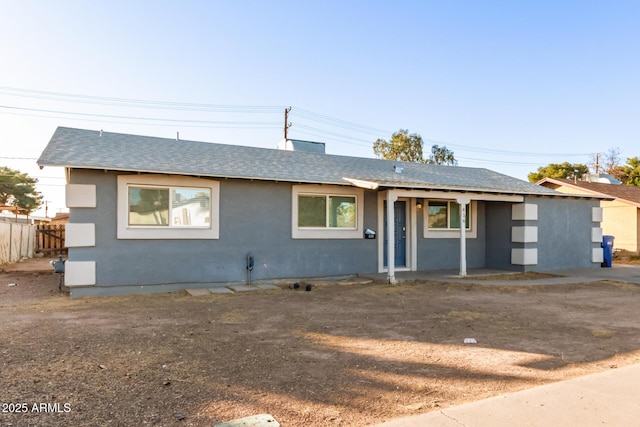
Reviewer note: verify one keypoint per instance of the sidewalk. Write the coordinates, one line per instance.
(608, 398)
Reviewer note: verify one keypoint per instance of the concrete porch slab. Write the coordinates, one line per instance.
(243, 288)
(198, 292)
(220, 290)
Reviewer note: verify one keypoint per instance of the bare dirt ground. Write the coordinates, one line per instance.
(336, 356)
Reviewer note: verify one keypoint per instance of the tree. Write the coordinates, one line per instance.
(630, 173)
(18, 189)
(408, 148)
(403, 146)
(559, 170)
(608, 162)
(441, 156)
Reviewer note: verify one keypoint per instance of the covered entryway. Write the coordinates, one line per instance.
(400, 242)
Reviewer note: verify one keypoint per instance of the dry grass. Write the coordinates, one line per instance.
(530, 275)
(602, 333)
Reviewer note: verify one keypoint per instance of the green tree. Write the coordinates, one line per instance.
(407, 147)
(559, 170)
(630, 173)
(19, 189)
(441, 156)
(402, 146)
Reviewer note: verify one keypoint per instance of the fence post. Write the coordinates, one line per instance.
(20, 247)
(10, 240)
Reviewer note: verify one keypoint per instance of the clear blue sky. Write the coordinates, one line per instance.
(507, 85)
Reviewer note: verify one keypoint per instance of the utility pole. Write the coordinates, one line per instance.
(597, 165)
(287, 125)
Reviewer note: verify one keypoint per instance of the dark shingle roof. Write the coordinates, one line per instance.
(78, 148)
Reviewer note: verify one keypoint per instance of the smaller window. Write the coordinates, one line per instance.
(445, 215)
(438, 215)
(327, 211)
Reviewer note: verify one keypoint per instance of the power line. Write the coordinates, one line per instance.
(139, 103)
(303, 114)
(340, 135)
(497, 161)
(331, 121)
(505, 152)
(152, 119)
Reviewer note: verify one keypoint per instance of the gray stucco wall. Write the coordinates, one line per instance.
(564, 233)
(444, 254)
(254, 217)
(498, 232)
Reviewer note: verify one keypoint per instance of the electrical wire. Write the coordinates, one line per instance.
(138, 103)
(152, 119)
(299, 126)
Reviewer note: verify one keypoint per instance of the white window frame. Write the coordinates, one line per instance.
(126, 231)
(471, 232)
(326, 232)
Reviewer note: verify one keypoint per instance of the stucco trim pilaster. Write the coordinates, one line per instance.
(79, 235)
(80, 273)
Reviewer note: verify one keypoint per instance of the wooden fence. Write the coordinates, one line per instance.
(50, 239)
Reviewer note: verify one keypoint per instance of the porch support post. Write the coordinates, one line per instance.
(391, 255)
(463, 201)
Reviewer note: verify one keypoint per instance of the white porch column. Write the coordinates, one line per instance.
(391, 255)
(463, 201)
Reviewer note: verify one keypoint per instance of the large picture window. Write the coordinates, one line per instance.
(326, 212)
(445, 215)
(167, 207)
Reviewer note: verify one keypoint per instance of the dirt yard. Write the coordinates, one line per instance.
(335, 356)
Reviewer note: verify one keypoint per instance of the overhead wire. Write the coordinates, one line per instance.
(151, 119)
(300, 115)
(138, 103)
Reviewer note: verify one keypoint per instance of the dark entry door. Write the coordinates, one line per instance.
(400, 233)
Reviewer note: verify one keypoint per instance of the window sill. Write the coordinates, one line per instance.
(449, 234)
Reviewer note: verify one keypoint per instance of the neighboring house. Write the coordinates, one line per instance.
(60, 218)
(10, 215)
(153, 214)
(620, 216)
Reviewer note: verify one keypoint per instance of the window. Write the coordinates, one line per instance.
(326, 212)
(330, 211)
(167, 207)
(445, 215)
(442, 219)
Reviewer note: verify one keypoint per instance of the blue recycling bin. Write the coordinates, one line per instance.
(607, 249)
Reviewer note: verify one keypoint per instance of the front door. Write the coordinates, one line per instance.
(400, 233)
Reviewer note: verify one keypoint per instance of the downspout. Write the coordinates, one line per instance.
(391, 255)
(463, 201)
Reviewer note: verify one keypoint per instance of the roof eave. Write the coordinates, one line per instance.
(197, 174)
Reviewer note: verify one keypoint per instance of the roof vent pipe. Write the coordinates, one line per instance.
(177, 136)
(397, 169)
(100, 133)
